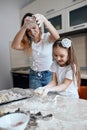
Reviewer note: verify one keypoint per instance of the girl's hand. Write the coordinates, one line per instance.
(40, 19)
(39, 90)
(48, 89)
(45, 92)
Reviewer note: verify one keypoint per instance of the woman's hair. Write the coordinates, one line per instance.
(27, 40)
(72, 59)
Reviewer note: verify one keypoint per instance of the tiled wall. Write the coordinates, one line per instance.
(19, 59)
(80, 45)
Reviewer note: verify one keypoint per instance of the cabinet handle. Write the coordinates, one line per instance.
(73, 0)
(25, 76)
(78, 26)
(15, 75)
(49, 11)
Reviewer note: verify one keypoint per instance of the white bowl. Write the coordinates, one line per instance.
(14, 121)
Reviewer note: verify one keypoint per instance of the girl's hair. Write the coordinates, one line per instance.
(27, 40)
(72, 59)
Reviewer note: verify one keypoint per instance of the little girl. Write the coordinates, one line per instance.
(66, 73)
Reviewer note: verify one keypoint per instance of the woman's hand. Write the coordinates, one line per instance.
(26, 23)
(29, 22)
(40, 19)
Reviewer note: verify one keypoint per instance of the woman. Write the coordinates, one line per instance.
(39, 45)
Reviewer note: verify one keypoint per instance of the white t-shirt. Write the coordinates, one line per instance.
(62, 73)
(42, 54)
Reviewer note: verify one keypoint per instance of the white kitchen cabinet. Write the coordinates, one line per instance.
(59, 13)
(58, 21)
(71, 19)
(48, 7)
(76, 16)
(33, 7)
(68, 3)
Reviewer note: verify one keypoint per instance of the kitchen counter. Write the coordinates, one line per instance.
(84, 74)
(26, 71)
(67, 113)
(21, 70)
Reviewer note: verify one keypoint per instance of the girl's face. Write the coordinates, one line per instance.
(61, 55)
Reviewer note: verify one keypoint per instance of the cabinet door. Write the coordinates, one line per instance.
(48, 7)
(25, 80)
(16, 80)
(20, 80)
(76, 16)
(30, 8)
(71, 2)
(57, 19)
(84, 82)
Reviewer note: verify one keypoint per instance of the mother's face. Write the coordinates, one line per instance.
(32, 27)
(34, 31)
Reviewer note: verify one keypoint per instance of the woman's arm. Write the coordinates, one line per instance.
(21, 38)
(53, 32)
(17, 42)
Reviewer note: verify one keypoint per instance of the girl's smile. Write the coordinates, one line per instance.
(61, 55)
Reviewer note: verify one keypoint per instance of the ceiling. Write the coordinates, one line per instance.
(23, 3)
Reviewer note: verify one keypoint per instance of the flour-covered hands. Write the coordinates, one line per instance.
(39, 90)
(43, 91)
(29, 22)
(49, 89)
(39, 19)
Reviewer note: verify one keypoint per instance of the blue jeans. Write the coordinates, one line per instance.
(39, 79)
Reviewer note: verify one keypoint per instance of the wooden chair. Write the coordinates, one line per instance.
(82, 90)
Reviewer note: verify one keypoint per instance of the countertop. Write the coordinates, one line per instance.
(67, 113)
(25, 70)
(84, 74)
(21, 70)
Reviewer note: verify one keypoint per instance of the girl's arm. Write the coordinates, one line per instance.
(53, 32)
(62, 86)
(45, 89)
(53, 82)
(52, 86)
